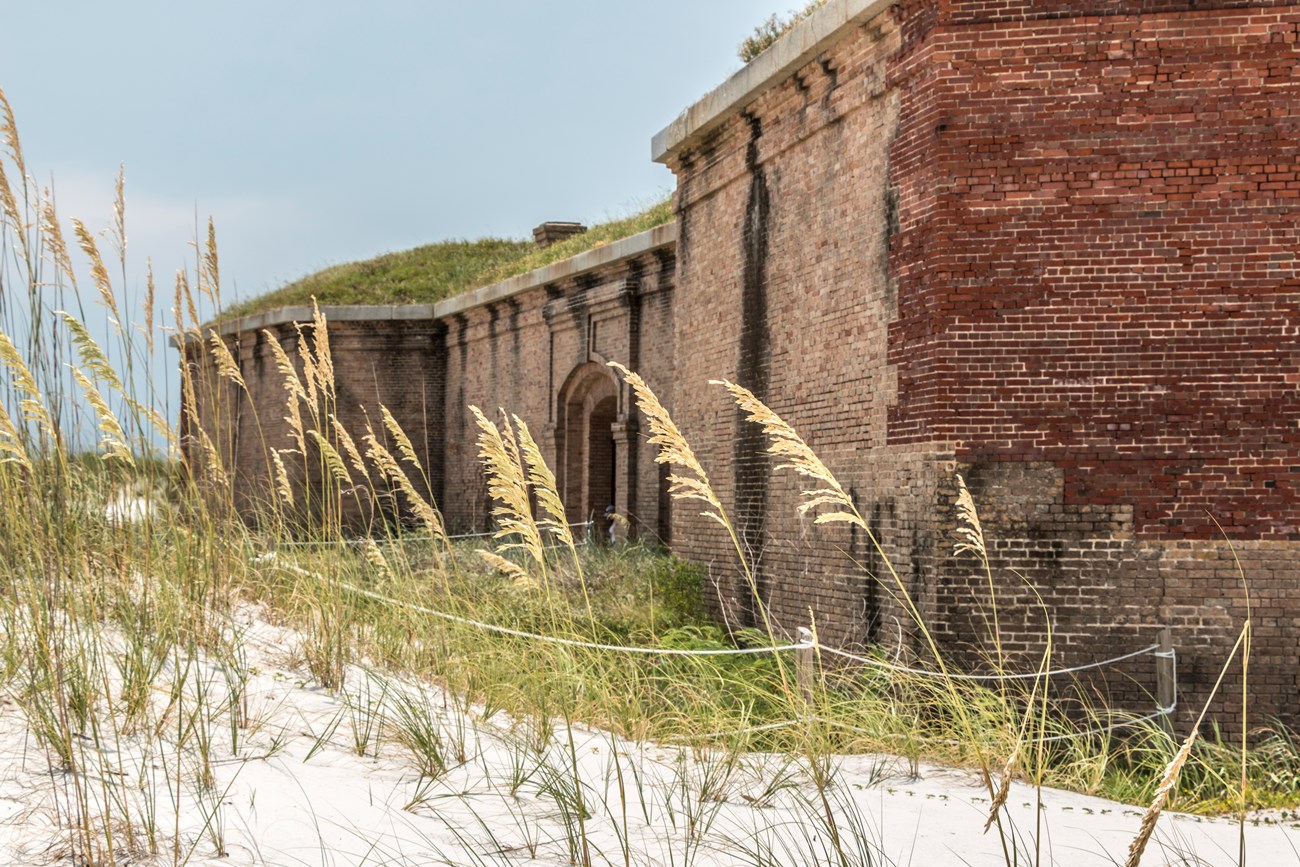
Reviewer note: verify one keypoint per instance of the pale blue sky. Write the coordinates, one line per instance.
(322, 132)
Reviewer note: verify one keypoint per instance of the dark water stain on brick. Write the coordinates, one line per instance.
(577, 305)
(437, 436)
(682, 207)
(829, 70)
(865, 551)
(514, 309)
(494, 316)
(459, 411)
(918, 585)
(750, 465)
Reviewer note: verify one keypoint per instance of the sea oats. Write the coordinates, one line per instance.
(786, 444)
(183, 291)
(98, 272)
(92, 357)
(155, 419)
(292, 385)
(285, 365)
(226, 364)
(508, 485)
(674, 450)
(9, 134)
(148, 304)
(375, 558)
(215, 469)
(310, 372)
(119, 215)
(55, 246)
(970, 529)
(396, 476)
(542, 481)
(404, 446)
(8, 198)
(320, 334)
(1000, 799)
(349, 446)
(112, 437)
(333, 460)
(177, 307)
(12, 449)
(296, 427)
(282, 485)
(32, 403)
(509, 567)
(211, 265)
(10, 212)
(1167, 783)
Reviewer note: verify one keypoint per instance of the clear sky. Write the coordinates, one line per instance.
(321, 132)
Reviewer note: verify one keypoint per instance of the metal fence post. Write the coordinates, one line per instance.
(1166, 689)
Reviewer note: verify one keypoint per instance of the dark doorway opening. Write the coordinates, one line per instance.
(602, 485)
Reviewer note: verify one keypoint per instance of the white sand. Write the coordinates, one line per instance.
(295, 792)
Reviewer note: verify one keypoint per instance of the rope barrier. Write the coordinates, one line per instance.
(902, 669)
(298, 543)
(850, 727)
(551, 639)
(1153, 649)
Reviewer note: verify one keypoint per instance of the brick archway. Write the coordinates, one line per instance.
(590, 456)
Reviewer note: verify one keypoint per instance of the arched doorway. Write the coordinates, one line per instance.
(587, 415)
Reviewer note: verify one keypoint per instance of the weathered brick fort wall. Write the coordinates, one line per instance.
(535, 346)
(1049, 246)
(383, 356)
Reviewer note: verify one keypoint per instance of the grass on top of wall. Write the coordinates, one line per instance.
(442, 270)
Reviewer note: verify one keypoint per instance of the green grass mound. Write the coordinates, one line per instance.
(436, 271)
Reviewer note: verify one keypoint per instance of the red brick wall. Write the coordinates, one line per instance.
(1106, 287)
(1053, 252)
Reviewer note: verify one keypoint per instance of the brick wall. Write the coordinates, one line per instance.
(539, 353)
(542, 355)
(396, 364)
(1049, 245)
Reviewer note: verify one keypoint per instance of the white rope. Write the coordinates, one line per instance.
(752, 729)
(673, 651)
(552, 639)
(1054, 738)
(902, 669)
(291, 543)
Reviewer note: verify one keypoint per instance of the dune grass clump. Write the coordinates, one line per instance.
(773, 28)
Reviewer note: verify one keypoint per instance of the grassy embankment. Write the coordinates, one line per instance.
(437, 271)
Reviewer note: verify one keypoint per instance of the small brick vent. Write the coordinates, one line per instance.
(553, 232)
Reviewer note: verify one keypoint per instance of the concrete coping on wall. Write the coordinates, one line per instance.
(796, 48)
(591, 260)
(332, 312)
